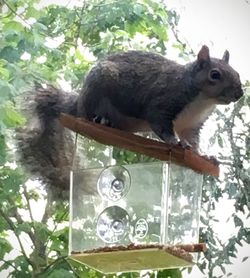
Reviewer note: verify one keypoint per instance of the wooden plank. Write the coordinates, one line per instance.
(125, 140)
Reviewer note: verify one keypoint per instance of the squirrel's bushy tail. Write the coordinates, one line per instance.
(45, 148)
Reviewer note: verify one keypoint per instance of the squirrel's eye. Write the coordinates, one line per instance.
(215, 75)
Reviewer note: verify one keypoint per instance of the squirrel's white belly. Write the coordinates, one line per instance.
(193, 115)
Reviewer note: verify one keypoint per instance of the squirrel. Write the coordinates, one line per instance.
(141, 90)
(133, 91)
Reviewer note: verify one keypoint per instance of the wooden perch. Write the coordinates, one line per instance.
(139, 144)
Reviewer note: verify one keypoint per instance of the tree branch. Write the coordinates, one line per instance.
(15, 13)
(26, 195)
(47, 210)
(47, 214)
(80, 23)
(20, 220)
(13, 228)
(72, 269)
(235, 152)
(50, 265)
(183, 44)
(9, 264)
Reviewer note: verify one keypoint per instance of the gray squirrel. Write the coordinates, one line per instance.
(133, 91)
(169, 98)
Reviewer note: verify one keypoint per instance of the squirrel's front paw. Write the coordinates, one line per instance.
(185, 145)
(169, 139)
(102, 120)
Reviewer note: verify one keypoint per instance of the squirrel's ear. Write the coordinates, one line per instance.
(203, 55)
(226, 56)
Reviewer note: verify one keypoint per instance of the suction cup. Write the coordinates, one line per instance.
(113, 183)
(113, 224)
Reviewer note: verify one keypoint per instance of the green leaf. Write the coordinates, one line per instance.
(5, 247)
(13, 26)
(41, 231)
(10, 117)
(159, 30)
(59, 273)
(10, 54)
(139, 9)
(232, 190)
(245, 258)
(33, 12)
(2, 150)
(246, 233)
(24, 227)
(11, 181)
(220, 141)
(223, 269)
(22, 267)
(4, 73)
(7, 91)
(169, 273)
(39, 27)
(20, 84)
(237, 221)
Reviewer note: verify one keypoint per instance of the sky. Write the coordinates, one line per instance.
(221, 25)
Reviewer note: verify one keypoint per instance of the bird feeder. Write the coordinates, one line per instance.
(133, 216)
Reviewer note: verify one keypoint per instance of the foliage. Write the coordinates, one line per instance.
(59, 43)
(232, 139)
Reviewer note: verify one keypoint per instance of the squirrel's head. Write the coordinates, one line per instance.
(215, 78)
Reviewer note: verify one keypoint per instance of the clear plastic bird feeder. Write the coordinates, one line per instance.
(115, 204)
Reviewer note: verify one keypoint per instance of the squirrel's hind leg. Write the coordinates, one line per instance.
(106, 114)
